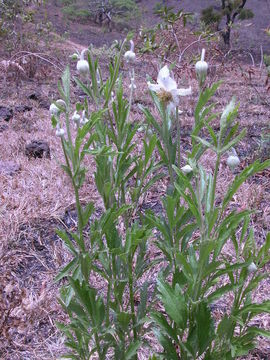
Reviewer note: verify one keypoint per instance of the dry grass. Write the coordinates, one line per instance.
(34, 200)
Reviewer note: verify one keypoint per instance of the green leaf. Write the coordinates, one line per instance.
(87, 212)
(132, 350)
(174, 302)
(64, 236)
(204, 327)
(66, 85)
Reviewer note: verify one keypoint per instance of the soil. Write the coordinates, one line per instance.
(37, 198)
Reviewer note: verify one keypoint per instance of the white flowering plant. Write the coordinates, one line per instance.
(118, 318)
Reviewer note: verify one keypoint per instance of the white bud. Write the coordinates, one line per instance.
(186, 169)
(61, 102)
(129, 56)
(83, 67)
(201, 67)
(54, 110)
(60, 132)
(252, 268)
(233, 161)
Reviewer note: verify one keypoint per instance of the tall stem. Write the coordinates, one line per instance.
(178, 137)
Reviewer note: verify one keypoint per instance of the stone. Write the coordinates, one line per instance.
(37, 149)
(5, 113)
(9, 167)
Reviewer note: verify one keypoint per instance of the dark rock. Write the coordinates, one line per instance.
(9, 167)
(23, 108)
(34, 96)
(5, 113)
(3, 127)
(37, 149)
(43, 103)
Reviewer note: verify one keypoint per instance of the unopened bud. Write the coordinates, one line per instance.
(60, 132)
(233, 161)
(83, 67)
(186, 169)
(201, 68)
(252, 268)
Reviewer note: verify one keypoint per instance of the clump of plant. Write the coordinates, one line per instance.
(231, 10)
(193, 233)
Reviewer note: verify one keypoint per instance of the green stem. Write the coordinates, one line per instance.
(178, 137)
(77, 199)
(167, 142)
(213, 195)
(131, 299)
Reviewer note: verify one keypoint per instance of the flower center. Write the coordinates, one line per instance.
(165, 96)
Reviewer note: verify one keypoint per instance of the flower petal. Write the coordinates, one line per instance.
(175, 97)
(154, 87)
(163, 74)
(184, 92)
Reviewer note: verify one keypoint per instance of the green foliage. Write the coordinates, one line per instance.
(191, 233)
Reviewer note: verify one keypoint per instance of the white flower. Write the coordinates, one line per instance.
(233, 161)
(166, 88)
(186, 169)
(201, 67)
(252, 268)
(129, 55)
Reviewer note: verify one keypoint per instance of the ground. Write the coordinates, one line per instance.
(36, 196)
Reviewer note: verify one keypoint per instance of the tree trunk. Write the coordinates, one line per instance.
(226, 34)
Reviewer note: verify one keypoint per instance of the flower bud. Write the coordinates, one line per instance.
(186, 169)
(74, 56)
(54, 110)
(60, 132)
(129, 55)
(83, 67)
(201, 68)
(233, 161)
(252, 268)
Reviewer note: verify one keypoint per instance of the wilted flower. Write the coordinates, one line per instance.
(129, 55)
(186, 169)
(76, 118)
(84, 119)
(166, 88)
(252, 268)
(233, 161)
(201, 68)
